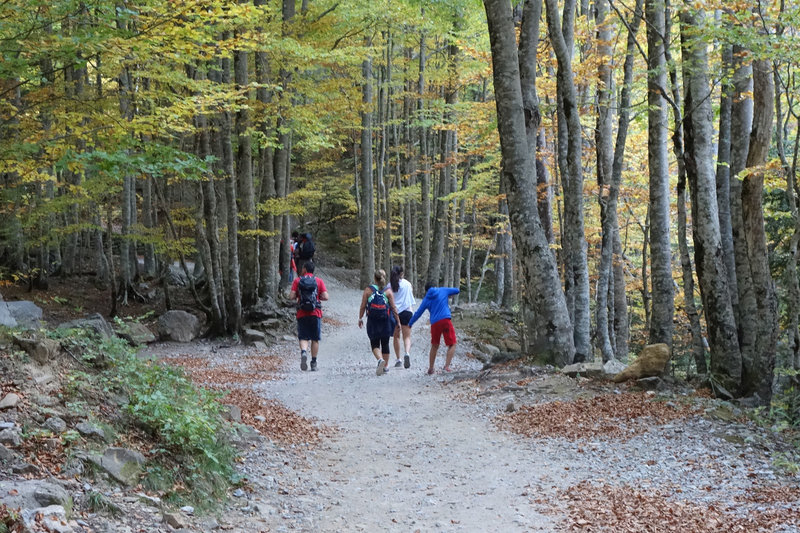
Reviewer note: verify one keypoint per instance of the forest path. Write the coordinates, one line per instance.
(407, 455)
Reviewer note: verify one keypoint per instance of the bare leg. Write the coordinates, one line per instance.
(451, 350)
(376, 352)
(304, 344)
(432, 357)
(406, 338)
(314, 349)
(396, 342)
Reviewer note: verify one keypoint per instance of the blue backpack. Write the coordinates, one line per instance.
(378, 305)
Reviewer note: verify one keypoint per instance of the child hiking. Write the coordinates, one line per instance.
(381, 318)
(435, 302)
(403, 293)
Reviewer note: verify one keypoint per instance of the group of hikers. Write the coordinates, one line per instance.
(389, 312)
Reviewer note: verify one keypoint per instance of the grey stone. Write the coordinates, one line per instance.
(24, 468)
(260, 346)
(175, 520)
(27, 314)
(188, 509)
(178, 326)
(6, 455)
(5, 316)
(10, 400)
(210, 524)
(90, 430)
(253, 335)
(94, 322)
(56, 425)
(135, 333)
(121, 464)
(10, 437)
(613, 367)
(32, 494)
(590, 370)
(54, 519)
(42, 351)
(232, 413)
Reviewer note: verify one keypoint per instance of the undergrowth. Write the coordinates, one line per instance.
(192, 459)
(783, 416)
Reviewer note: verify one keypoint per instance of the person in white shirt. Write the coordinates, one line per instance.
(404, 300)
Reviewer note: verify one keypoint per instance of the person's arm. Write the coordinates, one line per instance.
(451, 291)
(390, 296)
(363, 307)
(322, 290)
(294, 293)
(418, 313)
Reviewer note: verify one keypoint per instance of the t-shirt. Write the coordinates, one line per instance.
(404, 297)
(320, 289)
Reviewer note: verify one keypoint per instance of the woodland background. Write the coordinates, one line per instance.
(618, 173)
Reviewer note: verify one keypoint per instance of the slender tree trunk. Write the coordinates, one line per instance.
(657, 143)
(367, 216)
(575, 240)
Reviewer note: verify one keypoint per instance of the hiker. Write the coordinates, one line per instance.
(435, 302)
(403, 293)
(304, 250)
(378, 304)
(292, 253)
(308, 290)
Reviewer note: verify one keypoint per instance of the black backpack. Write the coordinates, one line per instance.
(307, 250)
(307, 289)
(377, 305)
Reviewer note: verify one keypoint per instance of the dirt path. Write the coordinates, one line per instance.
(407, 456)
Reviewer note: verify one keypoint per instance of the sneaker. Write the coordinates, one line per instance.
(406, 361)
(381, 368)
(303, 359)
(398, 364)
(313, 365)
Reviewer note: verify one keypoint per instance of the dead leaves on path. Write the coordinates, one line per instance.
(618, 416)
(269, 417)
(600, 507)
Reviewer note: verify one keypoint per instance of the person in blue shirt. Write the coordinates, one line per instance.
(435, 302)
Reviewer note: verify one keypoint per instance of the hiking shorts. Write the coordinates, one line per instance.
(383, 342)
(443, 327)
(405, 317)
(309, 328)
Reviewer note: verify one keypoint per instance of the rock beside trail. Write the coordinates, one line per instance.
(5, 315)
(135, 333)
(120, 463)
(651, 362)
(94, 322)
(42, 351)
(587, 370)
(178, 326)
(28, 315)
(90, 430)
(33, 494)
(9, 400)
(53, 519)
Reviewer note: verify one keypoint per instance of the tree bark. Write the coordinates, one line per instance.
(367, 215)
(551, 334)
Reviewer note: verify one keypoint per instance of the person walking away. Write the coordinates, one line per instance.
(435, 302)
(292, 255)
(305, 250)
(309, 291)
(404, 298)
(382, 316)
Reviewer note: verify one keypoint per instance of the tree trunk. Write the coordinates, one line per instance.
(551, 334)
(367, 215)
(577, 269)
(726, 359)
(657, 143)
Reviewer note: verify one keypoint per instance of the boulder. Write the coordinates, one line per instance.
(27, 314)
(251, 336)
(9, 400)
(42, 351)
(94, 322)
(7, 456)
(121, 464)
(232, 412)
(135, 333)
(5, 315)
(614, 367)
(89, 430)
(587, 370)
(264, 309)
(56, 425)
(178, 326)
(32, 494)
(10, 437)
(53, 519)
(651, 362)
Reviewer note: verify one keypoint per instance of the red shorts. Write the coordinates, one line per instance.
(443, 327)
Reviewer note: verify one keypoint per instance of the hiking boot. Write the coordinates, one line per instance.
(313, 365)
(398, 364)
(303, 359)
(406, 361)
(381, 368)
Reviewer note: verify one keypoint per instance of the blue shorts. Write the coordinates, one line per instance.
(309, 328)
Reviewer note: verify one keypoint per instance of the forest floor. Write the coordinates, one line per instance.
(511, 448)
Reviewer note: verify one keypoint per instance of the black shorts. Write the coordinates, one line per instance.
(405, 317)
(309, 328)
(383, 342)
